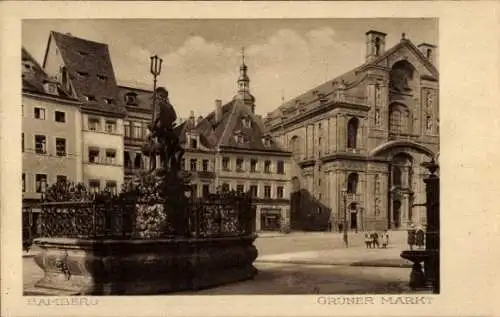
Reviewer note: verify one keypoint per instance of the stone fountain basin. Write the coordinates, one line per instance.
(415, 256)
(141, 267)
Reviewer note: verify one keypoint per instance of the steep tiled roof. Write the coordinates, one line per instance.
(143, 98)
(222, 134)
(34, 77)
(91, 71)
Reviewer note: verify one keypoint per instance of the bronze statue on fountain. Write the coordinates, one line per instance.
(164, 142)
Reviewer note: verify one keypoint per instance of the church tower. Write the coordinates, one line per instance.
(244, 85)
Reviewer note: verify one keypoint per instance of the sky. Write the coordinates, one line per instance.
(201, 58)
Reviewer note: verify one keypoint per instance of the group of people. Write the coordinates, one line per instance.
(375, 240)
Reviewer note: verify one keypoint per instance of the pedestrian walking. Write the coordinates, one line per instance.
(385, 239)
(368, 241)
(375, 242)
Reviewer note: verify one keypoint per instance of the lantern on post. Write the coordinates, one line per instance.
(155, 69)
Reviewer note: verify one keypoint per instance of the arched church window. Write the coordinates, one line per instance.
(401, 76)
(295, 146)
(399, 119)
(352, 183)
(397, 176)
(352, 133)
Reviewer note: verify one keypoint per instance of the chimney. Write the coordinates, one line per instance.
(429, 51)
(191, 119)
(375, 44)
(218, 110)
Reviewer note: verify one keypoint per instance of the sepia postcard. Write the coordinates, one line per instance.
(249, 158)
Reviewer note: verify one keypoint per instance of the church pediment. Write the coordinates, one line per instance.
(409, 53)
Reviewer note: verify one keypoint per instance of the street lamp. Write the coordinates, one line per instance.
(344, 195)
(155, 69)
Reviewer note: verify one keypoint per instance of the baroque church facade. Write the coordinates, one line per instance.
(358, 140)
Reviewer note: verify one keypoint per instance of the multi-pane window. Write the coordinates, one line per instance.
(194, 189)
(60, 116)
(205, 165)
(22, 142)
(253, 190)
(126, 129)
(137, 131)
(206, 190)
(267, 191)
(280, 167)
(39, 113)
(94, 155)
(226, 187)
(40, 144)
(267, 167)
(94, 185)
(183, 163)
(192, 165)
(40, 182)
(60, 147)
(225, 163)
(279, 192)
(253, 165)
(239, 164)
(240, 188)
(94, 124)
(110, 126)
(110, 156)
(24, 182)
(111, 186)
(61, 178)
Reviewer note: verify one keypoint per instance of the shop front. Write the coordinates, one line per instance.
(270, 219)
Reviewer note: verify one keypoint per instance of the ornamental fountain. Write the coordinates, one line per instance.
(153, 237)
(429, 278)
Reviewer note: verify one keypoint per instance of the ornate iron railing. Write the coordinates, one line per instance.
(116, 217)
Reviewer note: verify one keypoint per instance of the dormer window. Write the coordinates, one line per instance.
(82, 53)
(246, 122)
(89, 98)
(109, 101)
(193, 143)
(240, 138)
(50, 88)
(102, 77)
(131, 99)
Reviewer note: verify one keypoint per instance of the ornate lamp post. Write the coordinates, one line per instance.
(155, 69)
(344, 195)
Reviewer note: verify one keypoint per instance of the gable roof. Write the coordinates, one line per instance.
(90, 70)
(220, 134)
(351, 78)
(33, 81)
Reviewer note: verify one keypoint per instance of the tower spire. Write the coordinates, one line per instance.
(244, 84)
